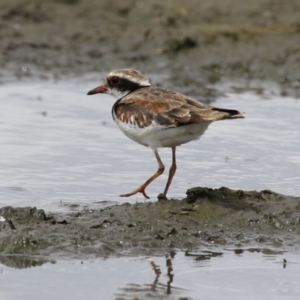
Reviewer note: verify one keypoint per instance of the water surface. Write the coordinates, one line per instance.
(243, 275)
(59, 146)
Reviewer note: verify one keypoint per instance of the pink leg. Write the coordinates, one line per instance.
(172, 171)
(141, 189)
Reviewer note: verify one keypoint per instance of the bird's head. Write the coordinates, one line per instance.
(120, 83)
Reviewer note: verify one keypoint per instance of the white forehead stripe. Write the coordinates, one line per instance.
(137, 78)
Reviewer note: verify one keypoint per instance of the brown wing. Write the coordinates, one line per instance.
(167, 108)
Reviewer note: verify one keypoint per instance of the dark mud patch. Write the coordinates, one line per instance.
(211, 219)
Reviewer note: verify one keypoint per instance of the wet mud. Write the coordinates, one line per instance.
(207, 219)
(192, 44)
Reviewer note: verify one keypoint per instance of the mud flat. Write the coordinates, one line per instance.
(206, 219)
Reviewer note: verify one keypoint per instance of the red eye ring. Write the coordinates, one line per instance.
(115, 80)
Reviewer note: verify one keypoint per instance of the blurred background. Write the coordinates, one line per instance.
(195, 42)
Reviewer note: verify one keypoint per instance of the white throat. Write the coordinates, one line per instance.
(117, 93)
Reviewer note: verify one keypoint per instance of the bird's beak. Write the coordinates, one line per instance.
(100, 89)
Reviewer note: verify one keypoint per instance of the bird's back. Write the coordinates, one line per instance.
(167, 108)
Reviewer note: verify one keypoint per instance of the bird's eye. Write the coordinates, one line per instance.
(115, 80)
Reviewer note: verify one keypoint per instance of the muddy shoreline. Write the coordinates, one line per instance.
(207, 219)
(193, 44)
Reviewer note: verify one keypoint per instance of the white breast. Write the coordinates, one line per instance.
(156, 136)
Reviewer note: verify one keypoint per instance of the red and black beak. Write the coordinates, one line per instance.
(100, 89)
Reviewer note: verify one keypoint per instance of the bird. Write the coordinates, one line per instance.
(157, 118)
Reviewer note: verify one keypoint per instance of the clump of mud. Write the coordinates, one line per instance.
(206, 218)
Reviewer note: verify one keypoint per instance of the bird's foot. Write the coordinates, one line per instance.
(140, 189)
(161, 197)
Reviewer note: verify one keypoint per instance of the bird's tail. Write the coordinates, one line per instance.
(229, 113)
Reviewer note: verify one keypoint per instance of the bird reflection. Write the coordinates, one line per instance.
(170, 274)
(157, 273)
(156, 288)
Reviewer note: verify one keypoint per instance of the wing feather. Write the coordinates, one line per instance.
(167, 108)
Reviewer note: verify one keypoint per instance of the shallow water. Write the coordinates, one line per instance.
(228, 275)
(59, 146)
